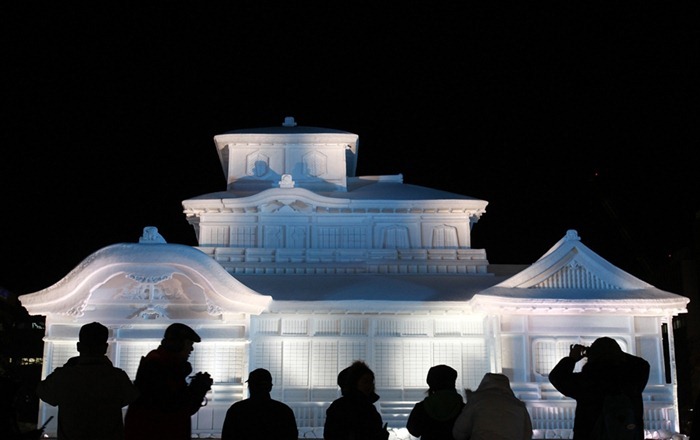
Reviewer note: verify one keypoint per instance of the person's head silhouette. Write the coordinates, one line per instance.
(92, 339)
(180, 338)
(605, 350)
(259, 382)
(441, 377)
(359, 377)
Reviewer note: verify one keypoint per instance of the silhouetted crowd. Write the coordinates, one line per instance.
(91, 393)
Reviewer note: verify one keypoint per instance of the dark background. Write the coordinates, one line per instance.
(569, 115)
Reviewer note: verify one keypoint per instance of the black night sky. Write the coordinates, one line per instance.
(562, 115)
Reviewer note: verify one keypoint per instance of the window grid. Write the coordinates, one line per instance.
(415, 327)
(296, 364)
(244, 236)
(62, 352)
(452, 327)
(268, 355)
(475, 363)
(388, 364)
(416, 362)
(473, 326)
(388, 327)
(129, 355)
(327, 327)
(354, 238)
(268, 326)
(349, 351)
(448, 353)
(327, 237)
(396, 237)
(294, 326)
(219, 235)
(355, 327)
(545, 355)
(325, 366)
(224, 361)
(547, 352)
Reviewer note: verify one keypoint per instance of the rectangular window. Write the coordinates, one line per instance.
(224, 361)
(129, 355)
(475, 363)
(388, 364)
(417, 360)
(62, 351)
(295, 357)
(324, 364)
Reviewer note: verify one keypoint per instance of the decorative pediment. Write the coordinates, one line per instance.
(573, 275)
(571, 278)
(286, 206)
(147, 281)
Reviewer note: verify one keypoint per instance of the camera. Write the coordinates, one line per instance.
(583, 350)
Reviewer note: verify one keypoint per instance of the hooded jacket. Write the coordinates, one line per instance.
(493, 412)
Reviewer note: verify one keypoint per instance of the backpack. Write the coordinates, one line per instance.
(616, 420)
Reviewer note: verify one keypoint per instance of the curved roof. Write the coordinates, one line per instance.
(147, 281)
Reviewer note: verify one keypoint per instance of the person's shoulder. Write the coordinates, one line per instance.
(421, 403)
(238, 406)
(635, 362)
(340, 402)
(281, 406)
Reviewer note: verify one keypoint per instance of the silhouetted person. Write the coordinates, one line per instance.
(433, 417)
(493, 412)
(608, 370)
(9, 424)
(88, 390)
(259, 417)
(167, 401)
(353, 416)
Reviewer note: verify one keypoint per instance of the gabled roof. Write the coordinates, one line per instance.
(571, 278)
(146, 281)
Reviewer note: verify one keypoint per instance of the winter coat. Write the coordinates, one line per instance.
(594, 382)
(259, 417)
(90, 393)
(167, 403)
(493, 412)
(354, 417)
(433, 417)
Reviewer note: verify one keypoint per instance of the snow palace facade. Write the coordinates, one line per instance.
(303, 267)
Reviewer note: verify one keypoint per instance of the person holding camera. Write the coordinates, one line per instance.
(608, 370)
(167, 401)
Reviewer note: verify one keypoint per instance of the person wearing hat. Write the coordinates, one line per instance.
(608, 370)
(354, 416)
(433, 417)
(259, 416)
(167, 401)
(89, 390)
(493, 411)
